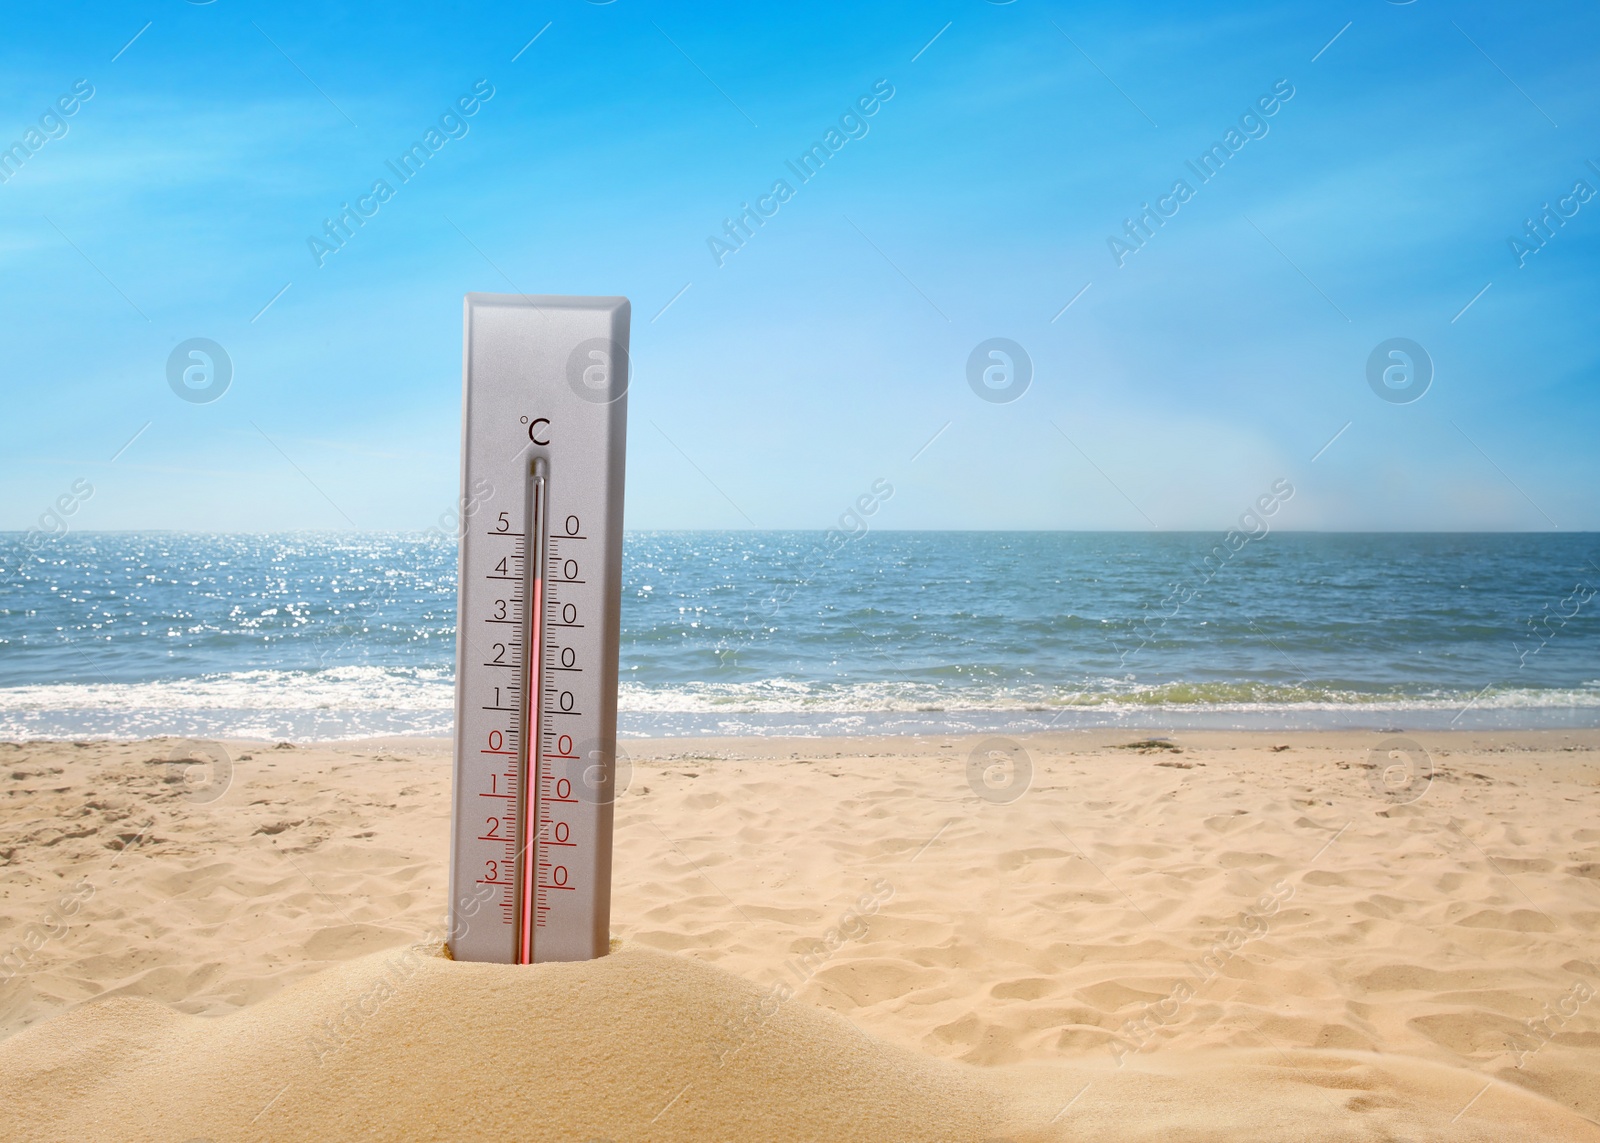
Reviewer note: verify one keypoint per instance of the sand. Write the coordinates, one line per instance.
(1211, 938)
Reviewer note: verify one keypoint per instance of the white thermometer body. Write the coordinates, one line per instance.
(544, 425)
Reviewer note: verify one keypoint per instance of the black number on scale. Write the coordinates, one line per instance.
(499, 609)
(572, 525)
(570, 569)
(501, 567)
(504, 524)
(568, 657)
(569, 613)
(499, 652)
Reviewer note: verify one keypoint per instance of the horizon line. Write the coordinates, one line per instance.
(23, 532)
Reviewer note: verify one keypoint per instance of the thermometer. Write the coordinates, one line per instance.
(544, 422)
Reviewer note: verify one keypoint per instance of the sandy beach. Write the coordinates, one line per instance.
(1213, 936)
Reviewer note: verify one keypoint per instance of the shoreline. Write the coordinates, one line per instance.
(914, 727)
(773, 746)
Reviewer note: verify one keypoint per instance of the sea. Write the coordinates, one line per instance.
(309, 636)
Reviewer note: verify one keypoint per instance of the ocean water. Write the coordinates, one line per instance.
(315, 635)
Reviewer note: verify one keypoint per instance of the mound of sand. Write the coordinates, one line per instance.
(642, 1045)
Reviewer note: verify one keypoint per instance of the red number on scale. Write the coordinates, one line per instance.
(564, 744)
(562, 831)
(563, 789)
(496, 739)
(559, 875)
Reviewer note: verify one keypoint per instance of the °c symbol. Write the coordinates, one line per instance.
(533, 430)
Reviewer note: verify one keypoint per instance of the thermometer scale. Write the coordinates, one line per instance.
(544, 423)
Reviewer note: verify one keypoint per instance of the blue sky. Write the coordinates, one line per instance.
(825, 354)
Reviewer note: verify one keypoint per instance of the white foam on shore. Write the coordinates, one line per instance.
(356, 702)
